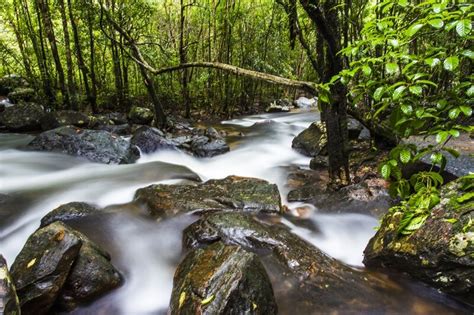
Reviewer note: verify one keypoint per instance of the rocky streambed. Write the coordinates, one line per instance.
(250, 231)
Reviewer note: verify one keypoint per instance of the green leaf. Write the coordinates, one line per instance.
(432, 62)
(442, 136)
(324, 97)
(366, 70)
(470, 91)
(466, 197)
(452, 151)
(467, 111)
(436, 158)
(436, 23)
(451, 63)
(468, 53)
(385, 171)
(391, 68)
(405, 156)
(416, 223)
(406, 109)
(463, 27)
(378, 93)
(394, 42)
(454, 113)
(412, 30)
(416, 89)
(398, 92)
(454, 133)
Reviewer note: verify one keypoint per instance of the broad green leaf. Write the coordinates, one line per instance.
(454, 133)
(416, 223)
(436, 23)
(398, 92)
(412, 30)
(385, 170)
(416, 89)
(452, 151)
(463, 27)
(366, 70)
(467, 111)
(454, 113)
(451, 63)
(442, 136)
(324, 97)
(391, 68)
(405, 156)
(394, 42)
(378, 93)
(470, 91)
(432, 62)
(468, 53)
(436, 158)
(403, 3)
(406, 109)
(466, 197)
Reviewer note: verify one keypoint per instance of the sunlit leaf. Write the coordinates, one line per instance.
(451, 63)
(463, 27)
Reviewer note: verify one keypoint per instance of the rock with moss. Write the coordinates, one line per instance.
(11, 82)
(311, 141)
(9, 303)
(22, 117)
(229, 194)
(439, 251)
(328, 282)
(149, 140)
(140, 115)
(22, 94)
(221, 279)
(59, 269)
(95, 145)
(64, 118)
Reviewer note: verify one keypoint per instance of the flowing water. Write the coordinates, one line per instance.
(148, 252)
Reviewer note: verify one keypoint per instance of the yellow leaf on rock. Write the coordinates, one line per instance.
(182, 297)
(208, 300)
(31, 263)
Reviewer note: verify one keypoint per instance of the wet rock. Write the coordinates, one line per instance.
(203, 146)
(222, 279)
(312, 140)
(69, 211)
(328, 279)
(319, 162)
(95, 145)
(65, 118)
(9, 303)
(91, 276)
(41, 268)
(304, 102)
(440, 252)
(140, 115)
(149, 140)
(116, 118)
(228, 194)
(11, 82)
(22, 117)
(121, 130)
(22, 94)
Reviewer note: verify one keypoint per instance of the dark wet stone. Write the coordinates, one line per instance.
(354, 128)
(319, 162)
(222, 279)
(203, 146)
(91, 276)
(65, 118)
(440, 252)
(121, 130)
(116, 118)
(328, 279)
(312, 140)
(228, 194)
(41, 268)
(95, 145)
(22, 117)
(9, 303)
(140, 115)
(69, 211)
(22, 94)
(149, 140)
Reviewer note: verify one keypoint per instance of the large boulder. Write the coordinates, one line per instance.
(203, 146)
(122, 130)
(222, 279)
(140, 115)
(326, 282)
(437, 248)
(68, 212)
(9, 303)
(312, 140)
(64, 118)
(11, 82)
(149, 139)
(228, 194)
(22, 94)
(22, 117)
(41, 268)
(95, 145)
(60, 268)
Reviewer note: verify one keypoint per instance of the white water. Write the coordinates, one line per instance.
(146, 252)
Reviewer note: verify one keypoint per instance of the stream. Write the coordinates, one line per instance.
(147, 252)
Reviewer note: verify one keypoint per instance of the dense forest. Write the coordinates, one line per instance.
(331, 107)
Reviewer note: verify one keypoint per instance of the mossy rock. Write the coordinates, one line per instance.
(311, 141)
(140, 115)
(65, 118)
(22, 117)
(221, 279)
(9, 303)
(232, 193)
(22, 94)
(440, 252)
